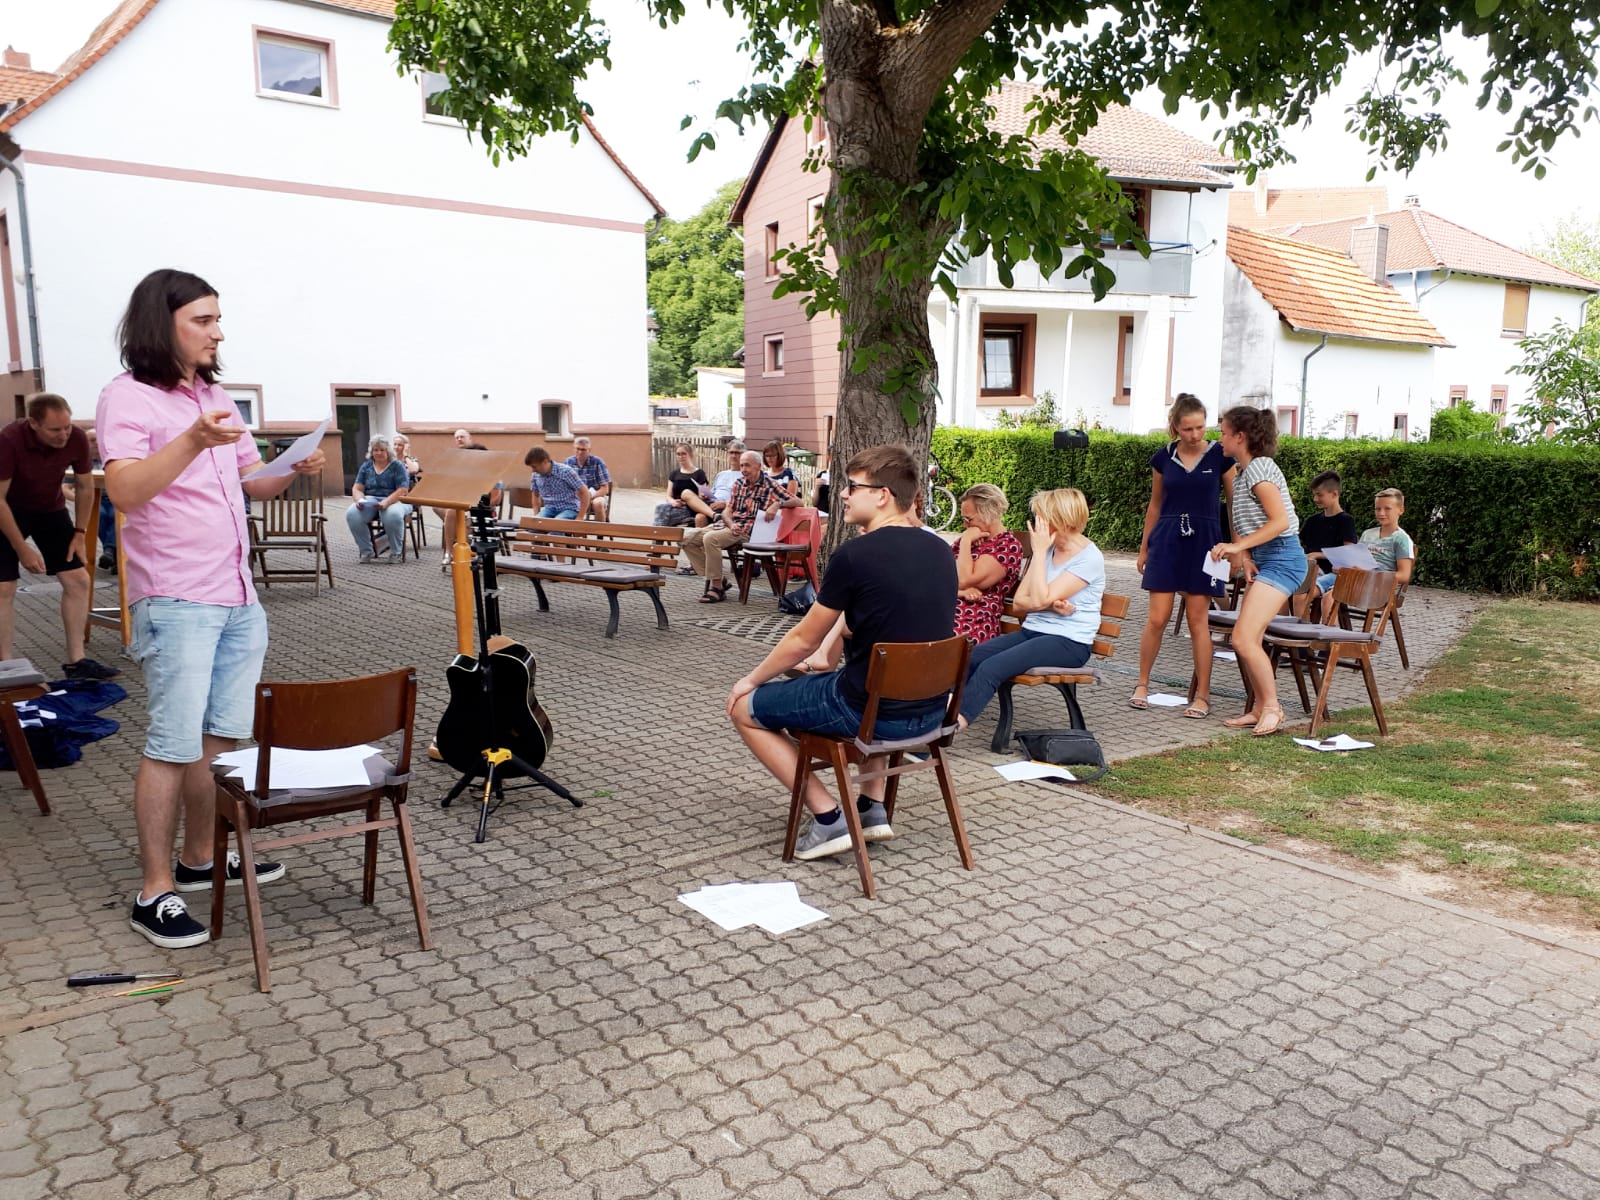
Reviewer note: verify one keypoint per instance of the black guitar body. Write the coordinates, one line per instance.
(504, 715)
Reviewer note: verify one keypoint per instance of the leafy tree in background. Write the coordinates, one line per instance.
(695, 287)
(1564, 376)
(1574, 243)
(920, 182)
(1463, 423)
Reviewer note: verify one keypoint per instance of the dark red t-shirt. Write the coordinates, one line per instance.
(35, 470)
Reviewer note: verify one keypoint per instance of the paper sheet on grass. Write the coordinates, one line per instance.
(1164, 700)
(1358, 556)
(1219, 569)
(776, 907)
(1034, 770)
(344, 767)
(299, 451)
(1339, 741)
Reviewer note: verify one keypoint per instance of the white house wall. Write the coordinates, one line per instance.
(1197, 333)
(1373, 380)
(1249, 341)
(543, 302)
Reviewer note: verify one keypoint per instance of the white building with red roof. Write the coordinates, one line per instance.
(1116, 362)
(373, 264)
(1484, 296)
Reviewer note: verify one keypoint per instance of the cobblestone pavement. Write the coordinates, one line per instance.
(1109, 1006)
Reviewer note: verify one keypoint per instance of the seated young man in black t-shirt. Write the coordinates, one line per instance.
(1330, 525)
(893, 583)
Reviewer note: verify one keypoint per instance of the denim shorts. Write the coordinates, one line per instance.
(815, 704)
(551, 513)
(201, 665)
(1281, 564)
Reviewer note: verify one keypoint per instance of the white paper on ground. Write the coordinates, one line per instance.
(776, 907)
(1163, 700)
(1358, 556)
(1219, 569)
(1034, 770)
(300, 450)
(1225, 655)
(765, 530)
(344, 767)
(1339, 741)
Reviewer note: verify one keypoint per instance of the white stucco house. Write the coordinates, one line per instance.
(1482, 295)
(1312, 335)
(373, 264)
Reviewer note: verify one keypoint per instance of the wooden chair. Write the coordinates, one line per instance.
(1347, 617)
(291, 520)
(778, 559)
(1066, 680)
(379, 536)
(321, 716)
(1295, 607)
(898, 671)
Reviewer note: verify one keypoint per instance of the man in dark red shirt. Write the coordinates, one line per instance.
(34, 456)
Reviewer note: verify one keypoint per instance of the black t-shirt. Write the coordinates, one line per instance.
(687, 481)
(893, 585)
(1319, 532)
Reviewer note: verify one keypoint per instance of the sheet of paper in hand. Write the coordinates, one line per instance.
(1357, 556)
(765, 530)
(1218, 568)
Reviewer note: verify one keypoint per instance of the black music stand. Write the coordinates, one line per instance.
(498, 763)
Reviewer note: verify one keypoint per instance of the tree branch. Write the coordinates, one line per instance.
(924, 54)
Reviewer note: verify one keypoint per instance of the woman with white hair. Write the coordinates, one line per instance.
(380, 487)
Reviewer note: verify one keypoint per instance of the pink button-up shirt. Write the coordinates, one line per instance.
(190, 542)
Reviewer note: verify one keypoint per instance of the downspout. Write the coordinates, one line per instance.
(1305, 372)
(27, 268)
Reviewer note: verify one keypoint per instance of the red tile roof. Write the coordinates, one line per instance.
(19, 85)
(1132, 146)
(1422, 241)
(1318, 290)
(1302, 206)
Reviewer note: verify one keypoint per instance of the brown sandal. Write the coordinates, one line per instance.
(714, 595)
(1271, 721)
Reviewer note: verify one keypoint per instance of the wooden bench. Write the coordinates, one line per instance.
(614, 558)
(1113, 611)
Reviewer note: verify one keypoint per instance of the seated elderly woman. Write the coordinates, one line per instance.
(1060, 591)
(989, 562)
(380, 487)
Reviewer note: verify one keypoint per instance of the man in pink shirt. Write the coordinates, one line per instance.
(176, 457)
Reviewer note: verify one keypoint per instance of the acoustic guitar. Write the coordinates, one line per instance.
(492, 701)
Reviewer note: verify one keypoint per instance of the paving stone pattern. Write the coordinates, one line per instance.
(1108, 1006)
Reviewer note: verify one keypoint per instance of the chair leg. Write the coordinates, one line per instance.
(770, 564)
(1296, 664)
(947, 789)
(1069, 693)
(891, 786)
(615, 616)
(22, 755)
(408, 856)
(369, 861)
(852, 818)
(661, 612)
(745, 575)
(252, 899)
(219, 854)
(1319, 714)
(802, 775)
(1372, 690)
(1178, 614)
(1002, 731)
(1399, 639)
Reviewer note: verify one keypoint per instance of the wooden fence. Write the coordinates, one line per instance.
(710, 455)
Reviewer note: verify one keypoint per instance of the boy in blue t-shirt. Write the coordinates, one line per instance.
(1392, 547)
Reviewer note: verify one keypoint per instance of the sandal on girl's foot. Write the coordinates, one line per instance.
(714, 595)
(1271, 721)
(1199, 710)
(1242, 721)
(1139, 699)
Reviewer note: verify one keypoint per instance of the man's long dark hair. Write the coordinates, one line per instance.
(145, 333)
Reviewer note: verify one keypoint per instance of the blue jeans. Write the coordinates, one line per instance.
(551, 513)
(394, 524)
(108, 525)
(997, 660)
(201, 663)
(814, 704)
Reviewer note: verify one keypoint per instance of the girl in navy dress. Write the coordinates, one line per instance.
(1181, 523)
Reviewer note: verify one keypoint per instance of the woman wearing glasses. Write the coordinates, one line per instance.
(989, 562)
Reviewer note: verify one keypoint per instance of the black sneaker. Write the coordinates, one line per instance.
(87, 668)
(198, 879)
(108, 562)
(166, 922)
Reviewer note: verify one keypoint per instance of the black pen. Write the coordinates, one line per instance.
(92, 980)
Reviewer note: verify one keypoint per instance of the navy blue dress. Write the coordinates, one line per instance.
(1190, 522)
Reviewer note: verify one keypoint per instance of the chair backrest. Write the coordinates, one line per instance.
(915, 671)
(294, 511)
(515, 498)
(1371, 592)
(333, 713)
(1114, 608)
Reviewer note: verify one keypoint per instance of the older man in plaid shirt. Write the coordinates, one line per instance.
(591, 468)
(752, 495)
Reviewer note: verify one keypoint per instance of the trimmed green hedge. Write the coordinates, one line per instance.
(1485, 517)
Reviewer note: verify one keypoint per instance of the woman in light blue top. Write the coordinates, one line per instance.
(1264, 534)
(1060, 591)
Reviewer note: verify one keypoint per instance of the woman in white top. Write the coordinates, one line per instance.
(1265, 547)
(1060, 591)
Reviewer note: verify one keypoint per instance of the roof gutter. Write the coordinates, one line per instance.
(1305, 372)
(8, 164)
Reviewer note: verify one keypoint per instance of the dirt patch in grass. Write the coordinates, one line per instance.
(1483, 794)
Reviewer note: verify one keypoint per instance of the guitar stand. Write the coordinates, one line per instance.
(494, 777)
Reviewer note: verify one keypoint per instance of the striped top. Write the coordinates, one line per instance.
(1248, 515)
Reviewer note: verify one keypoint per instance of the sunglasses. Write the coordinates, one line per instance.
(852, 485)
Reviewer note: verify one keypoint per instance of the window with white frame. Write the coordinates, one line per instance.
(293, 68)
(1402, 427)
(1350, 424)
(434, 85)
(248, 399)
(555, 418)
(772, 358)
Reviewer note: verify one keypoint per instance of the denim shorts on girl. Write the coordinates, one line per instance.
(814, 704)
(1281, 564)
(201, 665)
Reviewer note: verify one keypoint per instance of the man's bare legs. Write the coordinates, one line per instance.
(8, 617)
(74, 609)
(778, 753)
(158, 792)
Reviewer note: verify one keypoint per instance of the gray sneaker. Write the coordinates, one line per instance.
(875, 824)
(366, 556)
(394, 560)
(823, 841)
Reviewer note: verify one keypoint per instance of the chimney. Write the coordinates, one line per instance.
(1261, 193)
(1369, 246)
(18, 59)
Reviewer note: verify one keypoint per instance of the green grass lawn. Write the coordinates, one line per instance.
(1486, 779)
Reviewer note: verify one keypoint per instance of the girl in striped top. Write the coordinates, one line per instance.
(1265, 546)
